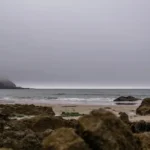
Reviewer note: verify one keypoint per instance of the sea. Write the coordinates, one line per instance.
(71, 96)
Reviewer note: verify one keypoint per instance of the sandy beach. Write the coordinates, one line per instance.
(130, 110)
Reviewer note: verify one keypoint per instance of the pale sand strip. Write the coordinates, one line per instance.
(85, 109)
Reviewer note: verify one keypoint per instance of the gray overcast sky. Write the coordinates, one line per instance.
(75, 43)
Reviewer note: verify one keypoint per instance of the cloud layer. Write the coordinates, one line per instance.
(75, 43)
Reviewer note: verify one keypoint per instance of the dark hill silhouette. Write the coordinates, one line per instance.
(7, 84)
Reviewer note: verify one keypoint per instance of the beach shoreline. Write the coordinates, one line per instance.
(130, 110)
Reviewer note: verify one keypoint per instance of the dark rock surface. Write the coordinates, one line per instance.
(20, 140)
(144, 108)
(140, 126)
(5, 149)
(17, 109)
(124, 117)
(128, 98)
(145, 140)
(102, 130)
(42, 123)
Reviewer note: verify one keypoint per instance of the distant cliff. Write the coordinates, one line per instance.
(7, 84)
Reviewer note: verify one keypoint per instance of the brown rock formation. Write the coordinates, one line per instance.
(102, 130)
(144, 108)
(64, 139)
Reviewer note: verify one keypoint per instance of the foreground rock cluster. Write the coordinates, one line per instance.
(29, 127)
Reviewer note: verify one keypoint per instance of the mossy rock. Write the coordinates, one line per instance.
(144, 108)
(102, 130)
(64, 139)
(12, 110)
(145, 140)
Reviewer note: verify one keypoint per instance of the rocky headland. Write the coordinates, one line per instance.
(7, 84)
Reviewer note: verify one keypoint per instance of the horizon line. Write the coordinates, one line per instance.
(94, 88)
(81, 87)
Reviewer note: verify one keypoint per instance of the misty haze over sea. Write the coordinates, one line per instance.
(73, 44)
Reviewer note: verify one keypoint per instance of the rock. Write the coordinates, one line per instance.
(144, 108)
(145, 138)
(20, 140)
(102, 130)
(128, 98)
(18, 125)
(4, 116)
(140, 126)
(6, 149)
(72, 123)
(13, 110)
(124, 117)
(30, 142)
(42, 123)
(64, 139)
(2, 125)
(121, 103)
(10, 143)
(47, 132)
(3, 120)
(14, 134)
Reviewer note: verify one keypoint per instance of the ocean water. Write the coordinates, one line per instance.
(70, 96)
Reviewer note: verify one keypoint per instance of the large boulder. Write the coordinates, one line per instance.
(102, 130)
(144, 108)
(64, 139)
(128, 98)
